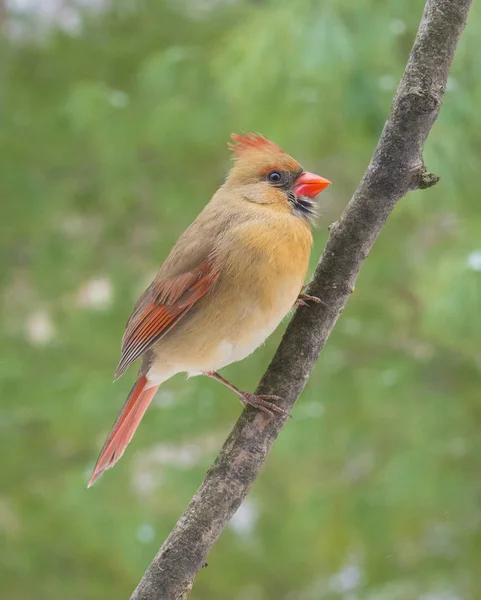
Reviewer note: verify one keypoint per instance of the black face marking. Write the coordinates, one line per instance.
(285, 180)
(302, 205)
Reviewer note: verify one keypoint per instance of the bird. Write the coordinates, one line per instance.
(227, 283)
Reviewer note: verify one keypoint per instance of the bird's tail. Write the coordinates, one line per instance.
(124, 427)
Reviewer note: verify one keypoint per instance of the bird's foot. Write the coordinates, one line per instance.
(259, 401)
(264, 403)
(303, 299)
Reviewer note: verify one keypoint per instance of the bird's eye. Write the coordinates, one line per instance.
(274, 177)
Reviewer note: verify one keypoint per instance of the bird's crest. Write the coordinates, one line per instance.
(251, 141)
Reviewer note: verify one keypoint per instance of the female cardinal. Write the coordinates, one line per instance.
(225, 286)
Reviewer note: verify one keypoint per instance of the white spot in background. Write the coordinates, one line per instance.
(397, 26)
(9, 520)
(309, 95)
(76, 226)
(358, 467)
(420, 351)
(452, 84)
(197, 9)
(52, 10)
(145, 533)
(458, 447)
(73, 226)
(183, 457)
(164, 399)
(439, 540)
(352, 326)
(145, 482)
(96, 294)
(441, 595)
(251, 592)
(39, 328)
(336, 359)
(118, 99)
(147, 476)
(245, 519)
(69, 20)
(389, 377)
(310, 410)
(347, 579)
(49, 6)
(474, 260)
(387, 83)
(47, 13)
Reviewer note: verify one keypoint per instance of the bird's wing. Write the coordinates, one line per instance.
(161, 307)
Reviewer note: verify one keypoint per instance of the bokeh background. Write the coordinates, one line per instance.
(114, 123)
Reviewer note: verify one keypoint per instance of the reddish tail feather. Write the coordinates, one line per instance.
(124, 427)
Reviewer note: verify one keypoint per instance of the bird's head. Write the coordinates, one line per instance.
(263, 173)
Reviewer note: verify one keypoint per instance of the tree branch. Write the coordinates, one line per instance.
(396, 167)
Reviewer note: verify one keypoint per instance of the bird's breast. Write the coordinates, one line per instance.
(260, 284)
(258, 321)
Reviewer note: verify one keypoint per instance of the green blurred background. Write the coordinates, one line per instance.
(114, 122)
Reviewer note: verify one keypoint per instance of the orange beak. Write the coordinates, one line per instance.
(309, 184)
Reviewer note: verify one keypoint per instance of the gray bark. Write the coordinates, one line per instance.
(396, 167)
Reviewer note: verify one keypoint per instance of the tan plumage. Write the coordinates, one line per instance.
(225, 286)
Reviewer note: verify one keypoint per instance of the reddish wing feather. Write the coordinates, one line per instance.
(161, 308)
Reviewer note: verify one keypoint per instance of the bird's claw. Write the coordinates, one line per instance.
(263, 402)
(300, 303)
(303, 299)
